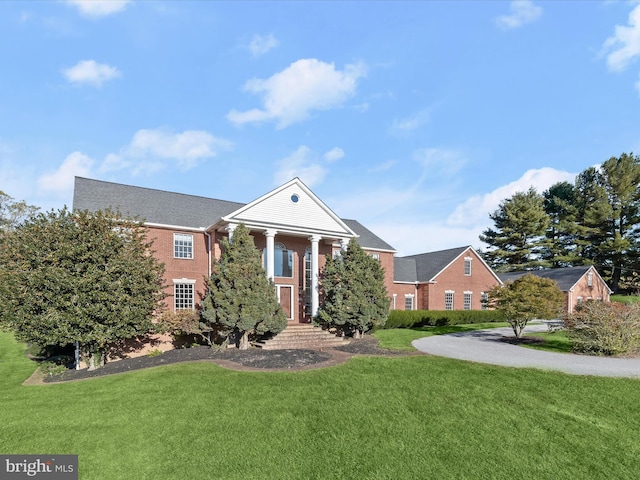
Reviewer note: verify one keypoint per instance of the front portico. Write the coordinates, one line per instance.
(295, 230)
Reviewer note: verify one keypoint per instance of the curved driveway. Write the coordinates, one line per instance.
(486, 346)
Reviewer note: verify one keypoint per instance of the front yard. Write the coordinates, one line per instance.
(372, 417)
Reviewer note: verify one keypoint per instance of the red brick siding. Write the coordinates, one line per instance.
(453, 278)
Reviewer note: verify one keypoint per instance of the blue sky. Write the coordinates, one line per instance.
(415, 118)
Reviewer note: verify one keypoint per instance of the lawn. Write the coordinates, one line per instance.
(556, 341)
(370, 418)
(625, 298)
(401, 338)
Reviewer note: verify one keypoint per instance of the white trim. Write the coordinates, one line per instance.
(174, 227)
(469, 248)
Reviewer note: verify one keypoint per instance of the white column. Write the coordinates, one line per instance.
(315, 302)
(270, 234)
(344, 243)
(230, 228)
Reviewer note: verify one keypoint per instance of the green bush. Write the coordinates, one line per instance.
(422, 318)
(603, 328)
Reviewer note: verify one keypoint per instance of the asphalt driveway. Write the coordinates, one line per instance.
(486, 346)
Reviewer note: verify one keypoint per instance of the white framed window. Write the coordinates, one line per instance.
(484, 300)
(393, 302)
(467, 266)
(337, 253)
(590, 279)
(182, 245)
(183, 294)
(375, 256)
(448, 300)
(408, 302)
(467, 300)
(282, 261)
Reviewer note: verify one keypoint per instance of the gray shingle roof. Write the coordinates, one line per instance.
(366, 238)
(428, 265)
(565, 277)
(153, 206)
(178, 209)
(404, 270)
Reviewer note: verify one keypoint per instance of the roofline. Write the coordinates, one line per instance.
(591, 267)
(174, 227)
(349, 232)
(469, 247)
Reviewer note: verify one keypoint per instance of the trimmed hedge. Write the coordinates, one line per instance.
(422, 318)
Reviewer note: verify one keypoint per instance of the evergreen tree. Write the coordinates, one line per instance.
(354, 296)
(240, 300)
(609, 205)
(78, 277)
(562, 233)
(519, 235)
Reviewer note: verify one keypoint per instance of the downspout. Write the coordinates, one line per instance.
(209, 253)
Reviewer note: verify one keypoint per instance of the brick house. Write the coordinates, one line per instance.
(578, 284)
(453, 279)
(295, 230)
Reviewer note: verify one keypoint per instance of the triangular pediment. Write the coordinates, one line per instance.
(294, 208)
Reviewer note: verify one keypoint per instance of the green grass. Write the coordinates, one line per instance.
(625, 298)
(401, 338)
(370, 418)
(557, 342)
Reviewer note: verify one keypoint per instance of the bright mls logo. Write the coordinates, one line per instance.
(50, 467)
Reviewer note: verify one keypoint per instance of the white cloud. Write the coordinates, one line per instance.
(439, 161)
(260, 45)
(291, 95)
(475, 211)
(89, 72)
(624, 45)
(407, 125)
(302, 164)
(336, 153)
(98, 8)
(416, 218)
(60, 182)
(522, 12)
(150, 149)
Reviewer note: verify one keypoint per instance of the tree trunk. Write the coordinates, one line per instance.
(244, 341)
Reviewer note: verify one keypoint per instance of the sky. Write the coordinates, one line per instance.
(415, 118)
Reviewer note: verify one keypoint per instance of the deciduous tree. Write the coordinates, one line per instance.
(527, 298)
(85, 277)
(354, 297)
(240, 300)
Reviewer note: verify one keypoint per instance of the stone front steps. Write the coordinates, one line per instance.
(302, 336)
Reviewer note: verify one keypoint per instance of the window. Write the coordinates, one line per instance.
(467, 300)
(282, 261)
(484, 299)
(182, 245)
(408, 302)
(375, 256)
(183, 295)
(590, 279)
(393, 302)
(467, 266)
(337, 253)
(448, 300)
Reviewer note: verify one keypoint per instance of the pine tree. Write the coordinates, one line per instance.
(519, 235)
(354, 296)
(562, 234)
(240, 300)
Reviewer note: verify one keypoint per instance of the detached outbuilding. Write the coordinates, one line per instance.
(579, 284)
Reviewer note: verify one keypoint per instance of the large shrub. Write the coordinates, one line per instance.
(240, 299)
(604, 328)
(354, 297)
(422, 318)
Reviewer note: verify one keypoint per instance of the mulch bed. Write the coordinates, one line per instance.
(251, 359)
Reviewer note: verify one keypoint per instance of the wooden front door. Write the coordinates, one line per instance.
(285, 297)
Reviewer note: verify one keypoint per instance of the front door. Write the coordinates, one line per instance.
(285, 297)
